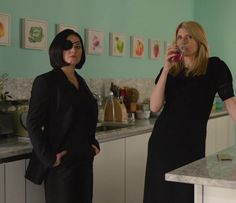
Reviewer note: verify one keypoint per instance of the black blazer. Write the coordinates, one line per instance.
(49, 118)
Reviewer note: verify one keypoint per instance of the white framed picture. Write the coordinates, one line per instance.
(61, 27)
(117, 44)
(137, 47)
(94, 41)
(5, 32)
(154, 48)
(35, 34)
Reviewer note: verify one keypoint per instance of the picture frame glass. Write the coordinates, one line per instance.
(5, 29)
(94, 42)
(117, 44)
(137, 47)
(154, 49)
(35, 34)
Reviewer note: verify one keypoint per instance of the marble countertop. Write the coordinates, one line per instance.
(16, 147)
(208, 171)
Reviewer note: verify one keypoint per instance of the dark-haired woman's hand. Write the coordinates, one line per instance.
(96, 150)
(58, 159)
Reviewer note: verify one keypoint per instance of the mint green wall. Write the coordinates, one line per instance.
(218, 18)
(147, 18)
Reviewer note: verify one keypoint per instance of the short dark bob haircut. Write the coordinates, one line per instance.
(58, 46)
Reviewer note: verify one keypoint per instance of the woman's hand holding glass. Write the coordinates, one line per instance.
(173, 55)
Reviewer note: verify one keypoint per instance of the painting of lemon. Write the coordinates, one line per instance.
(2, 30)
(119, 45)
(139, 48)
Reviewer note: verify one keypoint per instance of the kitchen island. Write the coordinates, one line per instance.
(214, 179)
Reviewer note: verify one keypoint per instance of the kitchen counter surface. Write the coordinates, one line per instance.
(16, 148)
(208, 171)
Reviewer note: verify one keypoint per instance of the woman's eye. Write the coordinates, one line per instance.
(179, 37)
(77, 46)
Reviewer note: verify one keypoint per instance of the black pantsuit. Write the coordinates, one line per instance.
(60, 118)
(70, 183)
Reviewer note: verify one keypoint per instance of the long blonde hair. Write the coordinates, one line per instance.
(201, 59)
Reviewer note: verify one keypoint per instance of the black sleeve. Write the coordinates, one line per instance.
(37, 116)
(224, 81)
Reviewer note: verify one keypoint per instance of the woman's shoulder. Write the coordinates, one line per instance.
(218, 68)
(216, 64)
(45, 75)
(44, 79)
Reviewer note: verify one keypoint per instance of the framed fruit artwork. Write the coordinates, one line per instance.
(5, 24)
(137, 47)
(117, 44)
(154, 49)
(94, 41)
(35, 34)
(61, 27)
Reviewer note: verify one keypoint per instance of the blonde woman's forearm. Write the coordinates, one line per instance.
(231, 107)
(158, 94)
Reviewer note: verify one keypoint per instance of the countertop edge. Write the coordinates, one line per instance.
(208, 171)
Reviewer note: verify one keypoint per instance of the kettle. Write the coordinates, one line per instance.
(20, 118)
(6, 124)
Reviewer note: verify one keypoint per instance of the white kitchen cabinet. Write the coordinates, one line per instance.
(135, 165)
(34, 193)
(109, 173)
(220, 134)
(2, 184)
(210, 138)
(15, 182)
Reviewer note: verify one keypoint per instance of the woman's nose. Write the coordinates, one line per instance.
(185, 39)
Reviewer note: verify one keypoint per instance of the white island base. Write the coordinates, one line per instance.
(209, 194)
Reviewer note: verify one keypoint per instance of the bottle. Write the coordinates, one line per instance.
(109, 114)
(100, 109)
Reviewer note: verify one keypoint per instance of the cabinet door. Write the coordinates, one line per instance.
(211, 137)
(2, 184)
(220, 134)
(225, 133)
(15, 181)
(34, 193)
(136, 156)
(109, 186)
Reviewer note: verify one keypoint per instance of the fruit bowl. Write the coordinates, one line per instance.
(143, 114)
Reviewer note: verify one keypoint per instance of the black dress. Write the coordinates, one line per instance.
(179, 134)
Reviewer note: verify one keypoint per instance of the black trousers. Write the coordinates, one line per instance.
(70, 183)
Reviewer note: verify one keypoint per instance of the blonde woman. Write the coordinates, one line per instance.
(185, 88)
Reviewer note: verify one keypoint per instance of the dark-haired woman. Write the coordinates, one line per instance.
(61, 123)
